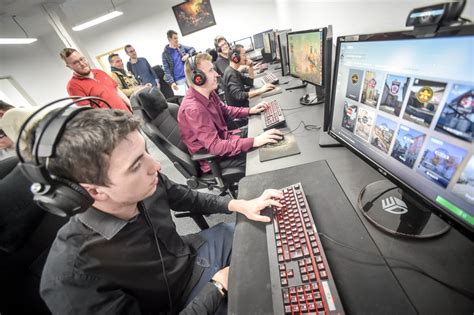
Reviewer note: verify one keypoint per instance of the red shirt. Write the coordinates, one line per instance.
(102, 85)
(202, 124)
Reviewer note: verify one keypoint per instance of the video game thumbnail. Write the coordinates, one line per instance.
(440, 161)
(423, 101)
(464, 187)
(354, 84)
(372, 88)
(457, 116)
(383, 132)
(349, 116)
(365, 122)
(394, 91)
(407, 145)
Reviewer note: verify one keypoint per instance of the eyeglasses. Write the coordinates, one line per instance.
(223, 44)
(80, 60)
(2, 134)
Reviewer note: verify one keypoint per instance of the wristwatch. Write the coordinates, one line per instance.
(219, 287)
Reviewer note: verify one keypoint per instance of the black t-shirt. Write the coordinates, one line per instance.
(234, 83)
(221, 64)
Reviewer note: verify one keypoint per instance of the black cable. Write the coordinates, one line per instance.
(113, 5)
(170, 300)
(13, 18)
(306, 127)
(410, 266)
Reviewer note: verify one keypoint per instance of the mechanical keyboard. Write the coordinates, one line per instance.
(301, 280)
(269, 78)
(273, 116)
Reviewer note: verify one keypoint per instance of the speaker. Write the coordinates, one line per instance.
(197, 76)
(56, 195)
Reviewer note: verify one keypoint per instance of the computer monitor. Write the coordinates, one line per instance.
(283, 49)
(268, 50)
(405, 105)
(246, 42)
(258, 39)
(277, 35)
(306, 59)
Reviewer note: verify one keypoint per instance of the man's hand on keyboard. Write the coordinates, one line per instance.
(260, 107)
(251, 208)
(266, 87)
(269, 136)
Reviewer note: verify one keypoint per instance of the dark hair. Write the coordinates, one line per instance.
(236, 49)
(217, 40)
(4, 106)
(127, 46)
(66, 52)
(170, 33)
(84, 149)
(112, 56)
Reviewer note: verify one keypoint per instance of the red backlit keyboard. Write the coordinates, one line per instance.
(273, 116)
(302, 282)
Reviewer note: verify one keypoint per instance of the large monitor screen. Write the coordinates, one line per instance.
(246, 42)
(406, 105)
(305, 55)
(267, 46)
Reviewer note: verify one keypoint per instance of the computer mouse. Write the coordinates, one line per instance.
(282, 138)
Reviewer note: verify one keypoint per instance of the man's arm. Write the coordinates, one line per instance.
(74, 89)
(233, 85)
(124, 98)
(201, 123)
(166, 68)
(151, 70)
(189, 50)
(85, 295)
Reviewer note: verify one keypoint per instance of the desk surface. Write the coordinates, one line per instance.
(367, 282)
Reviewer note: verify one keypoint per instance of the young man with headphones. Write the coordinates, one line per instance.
(202, 118)
(235, 81)
(120, 252)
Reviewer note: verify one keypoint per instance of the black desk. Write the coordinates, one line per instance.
(366, 282)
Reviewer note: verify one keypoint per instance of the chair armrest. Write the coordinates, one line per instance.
(202, 155)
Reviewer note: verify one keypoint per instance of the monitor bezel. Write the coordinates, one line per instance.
(243, 38)
(323, 43)
(446, 215)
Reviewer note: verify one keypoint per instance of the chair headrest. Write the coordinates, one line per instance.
(152, 101)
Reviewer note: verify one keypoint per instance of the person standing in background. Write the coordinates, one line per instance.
(140, 68)
(174, 56)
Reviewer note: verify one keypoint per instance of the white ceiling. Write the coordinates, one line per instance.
(30, 16)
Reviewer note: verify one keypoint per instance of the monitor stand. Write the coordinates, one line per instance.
(325, 140)
(310, 99)
(392, 210)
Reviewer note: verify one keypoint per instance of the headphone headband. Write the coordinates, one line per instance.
(57, 195)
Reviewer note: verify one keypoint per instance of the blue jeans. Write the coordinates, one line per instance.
(213, 256)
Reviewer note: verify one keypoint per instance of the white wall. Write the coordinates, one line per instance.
(43, 75)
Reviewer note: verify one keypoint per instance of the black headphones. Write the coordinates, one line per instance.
(235, 55)
(56, 195)
(197, 76)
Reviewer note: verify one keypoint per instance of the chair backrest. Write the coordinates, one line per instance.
(161, 126)
(164, 86)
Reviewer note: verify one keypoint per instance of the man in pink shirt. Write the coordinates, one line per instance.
(202, 118)
(92, 82)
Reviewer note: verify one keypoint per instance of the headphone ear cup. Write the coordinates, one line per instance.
(62, 197)
(199, 78)
(235, 57)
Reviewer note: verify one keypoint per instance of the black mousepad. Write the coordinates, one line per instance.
(286, 147)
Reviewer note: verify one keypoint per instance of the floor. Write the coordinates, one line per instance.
(184, 225)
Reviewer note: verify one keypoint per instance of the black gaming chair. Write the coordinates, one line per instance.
(165, 88)
(161, 126)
